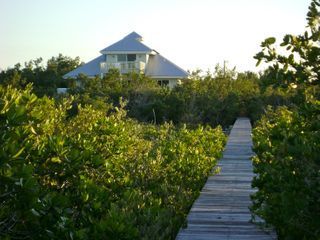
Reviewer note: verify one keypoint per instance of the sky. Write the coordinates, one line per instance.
(194, 34)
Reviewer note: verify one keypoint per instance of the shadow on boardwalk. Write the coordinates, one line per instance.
(221, 211)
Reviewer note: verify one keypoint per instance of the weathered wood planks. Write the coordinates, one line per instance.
(221, 211)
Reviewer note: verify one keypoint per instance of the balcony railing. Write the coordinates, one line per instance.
(123, 67)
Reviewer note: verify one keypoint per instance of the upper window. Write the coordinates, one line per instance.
(131, 57)
(163, 82)
(122, 57)
(126, 57)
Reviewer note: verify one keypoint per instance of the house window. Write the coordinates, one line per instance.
(122, 57)
(131, 57)
(126, 57)
(163, 83)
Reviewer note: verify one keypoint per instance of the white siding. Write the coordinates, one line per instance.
(142, 58)
(172, 83)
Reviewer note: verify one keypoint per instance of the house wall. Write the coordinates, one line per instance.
(172, 81)
(142, 58)
(112, 58)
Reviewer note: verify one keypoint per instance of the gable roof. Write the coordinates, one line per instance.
(90, 69)
(130, 43)
(160, 67)
(134, 35)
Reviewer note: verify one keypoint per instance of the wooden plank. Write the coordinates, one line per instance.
(222, 209)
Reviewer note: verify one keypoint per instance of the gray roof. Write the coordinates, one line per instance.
(130, 43)
(134, 35)
(158, 66)
(90, 69)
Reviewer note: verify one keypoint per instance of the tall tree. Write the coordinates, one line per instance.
(301, 61)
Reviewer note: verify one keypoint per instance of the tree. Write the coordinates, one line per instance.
(286, 140)
(61, 65)
(45, 79)
(301, 63)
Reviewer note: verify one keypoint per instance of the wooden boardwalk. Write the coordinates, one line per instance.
(221, 211)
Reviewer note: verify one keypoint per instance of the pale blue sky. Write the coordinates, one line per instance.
(191, 33)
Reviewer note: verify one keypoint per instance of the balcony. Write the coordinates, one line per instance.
(123, 67)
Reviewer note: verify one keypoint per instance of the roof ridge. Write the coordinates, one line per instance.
(133, 34)
(131, 42)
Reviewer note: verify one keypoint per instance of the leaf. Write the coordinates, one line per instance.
(286, 40)
(20, 182)
(259, 56)
(20, 110)
(56, 160)
(86, 197)
(33, 131)
(18, 153)
(268, 41)
(34, 212)
(258, 63)
(291, 59)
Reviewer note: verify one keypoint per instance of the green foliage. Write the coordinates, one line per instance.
(287, 144)
(301, 62)
(286, 140)
(45, 80)
(96, 176)
(214, 99)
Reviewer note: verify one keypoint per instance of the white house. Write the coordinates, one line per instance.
(131, 55)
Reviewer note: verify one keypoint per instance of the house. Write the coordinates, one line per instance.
(131, 55)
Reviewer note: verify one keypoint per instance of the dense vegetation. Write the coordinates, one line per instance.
(78, 167)
(287, 140)
(210, 99)
(213, 99)
(45, 79)
(94, 176)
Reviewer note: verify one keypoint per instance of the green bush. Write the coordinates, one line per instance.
(96, 176)
(287, 140)
(45, 78)
(287, 144)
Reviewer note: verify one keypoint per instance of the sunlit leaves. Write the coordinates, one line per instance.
(304, 47)
(267, 42)
(287, 145)
(96, 175)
